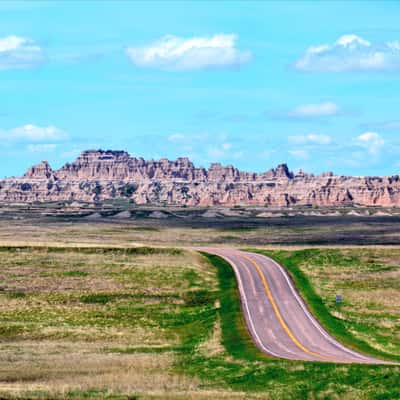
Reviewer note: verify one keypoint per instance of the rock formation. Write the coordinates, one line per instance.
(99, 175)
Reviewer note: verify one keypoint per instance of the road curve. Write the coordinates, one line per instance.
(276, 316)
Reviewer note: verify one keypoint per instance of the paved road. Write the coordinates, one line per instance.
(276, 316)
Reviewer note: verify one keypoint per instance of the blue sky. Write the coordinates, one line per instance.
(313, 84)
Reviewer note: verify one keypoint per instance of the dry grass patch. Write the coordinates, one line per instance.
(74, 320)
(213, 346)
(60, 369)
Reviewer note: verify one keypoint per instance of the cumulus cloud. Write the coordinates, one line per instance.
(359, 151)
(393, 125)
(311, 138)
(41, 148)
(371, 141)
(176, 137)
(323, 109)
(300, 154)
(184, 54)
(217, 151)
(202, 147)
(306, 112)
(34, 133)
(351, 53)
(236, 118)
(307, 144)
(19, 52)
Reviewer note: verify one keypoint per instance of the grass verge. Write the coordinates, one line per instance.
(235, 336)
(242, 367)
(318, 307)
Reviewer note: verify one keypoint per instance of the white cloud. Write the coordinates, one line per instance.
(41, 148)
(196, 53)
(395, 45)
(202, 147)
(306, 112)
(351, 53)
(237, 155)
(300, 153)
(34, 133)
(268, 153)
(215, 153)
(351, 41)
(71, 153)
(371, 141)
(311, 138)
(176, 137)
(323, 109)
(223, 150)
(393, 125)
(19, 52)
(304, 144)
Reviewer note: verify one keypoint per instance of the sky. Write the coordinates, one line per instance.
(254, 84)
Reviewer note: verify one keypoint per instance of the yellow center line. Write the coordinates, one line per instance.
(279, 315)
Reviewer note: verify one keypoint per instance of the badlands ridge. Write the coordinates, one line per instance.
(98, 175)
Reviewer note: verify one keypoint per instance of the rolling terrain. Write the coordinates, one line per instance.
(87, 310)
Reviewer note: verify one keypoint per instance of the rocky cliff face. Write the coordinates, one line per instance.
(99, 175)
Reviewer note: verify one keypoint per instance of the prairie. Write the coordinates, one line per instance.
(120, 310)
(143, 322)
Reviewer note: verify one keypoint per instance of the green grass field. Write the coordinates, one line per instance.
(165, 323)
(369, 281)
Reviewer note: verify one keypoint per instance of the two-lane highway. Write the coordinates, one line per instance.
(277, 317)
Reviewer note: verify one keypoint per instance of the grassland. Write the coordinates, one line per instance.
(105, 322)
(368, 279)
(83, 321)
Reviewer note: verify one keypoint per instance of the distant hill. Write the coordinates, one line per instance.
(98, 175)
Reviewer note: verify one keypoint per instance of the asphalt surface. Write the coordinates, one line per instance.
(277, 317)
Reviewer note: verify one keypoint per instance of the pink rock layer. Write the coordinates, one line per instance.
(100, 175)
